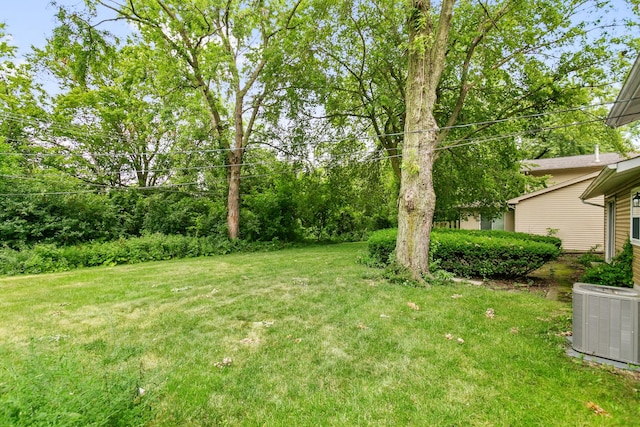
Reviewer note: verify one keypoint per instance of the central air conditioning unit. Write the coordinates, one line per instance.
(606, 322)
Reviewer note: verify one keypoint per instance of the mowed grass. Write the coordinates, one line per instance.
(300, 337)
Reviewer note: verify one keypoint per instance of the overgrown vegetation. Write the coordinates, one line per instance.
(288, 207)
(618, 272)
(46, 258)
(303, 336)
(474, 253)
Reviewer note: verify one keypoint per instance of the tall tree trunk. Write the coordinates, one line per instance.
(417, 200)
(235, 167)
(233, 196)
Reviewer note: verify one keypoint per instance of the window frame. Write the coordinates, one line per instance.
(634, 219)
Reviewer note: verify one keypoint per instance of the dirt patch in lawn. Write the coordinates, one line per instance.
(554, 279)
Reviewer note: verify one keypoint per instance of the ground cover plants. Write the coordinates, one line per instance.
(303, 336)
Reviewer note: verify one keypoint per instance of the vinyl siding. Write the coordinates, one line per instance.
(561, 175)
(471, 223)
(579, 225)
(623, 224)
(557, 177)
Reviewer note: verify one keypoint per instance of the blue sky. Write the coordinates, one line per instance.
(30, 22)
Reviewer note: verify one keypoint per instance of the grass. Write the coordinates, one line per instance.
(301, 337)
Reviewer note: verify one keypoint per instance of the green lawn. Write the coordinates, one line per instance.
(300, 337)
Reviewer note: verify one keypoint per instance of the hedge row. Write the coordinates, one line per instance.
(470, 253)
(505, 235)
(47, 258)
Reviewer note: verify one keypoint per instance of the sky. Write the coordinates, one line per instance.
(30, 22)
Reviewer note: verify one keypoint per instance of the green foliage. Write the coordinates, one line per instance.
(619, 272)
(590, 257)
(501, 234)
(273, 212)
(61, 219)
(183, 214)
(44, 258)
(381, 244)
(475, 253)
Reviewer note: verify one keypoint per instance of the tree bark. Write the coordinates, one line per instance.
(233, 198)
(417, 200)
(235, 158)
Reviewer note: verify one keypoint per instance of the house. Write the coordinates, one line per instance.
(554, 209)
(619, 183)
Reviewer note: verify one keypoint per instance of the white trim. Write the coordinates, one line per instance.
(632, 214)
(627, 106)
(610, 230)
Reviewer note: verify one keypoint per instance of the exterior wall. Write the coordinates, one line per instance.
(556, 177)
(471, 223)
(636, 266)
(623, 225)
(579, 225)
(510, 221)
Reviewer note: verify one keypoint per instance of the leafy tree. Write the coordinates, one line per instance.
(222, 51)
(501, 62)
(111, 125)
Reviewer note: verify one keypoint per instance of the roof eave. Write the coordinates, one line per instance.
(627, 106)
(612, 177)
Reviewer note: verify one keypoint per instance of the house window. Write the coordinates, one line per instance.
(635, 217)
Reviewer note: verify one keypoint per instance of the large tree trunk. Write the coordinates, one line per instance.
(233, 196)
(417, 201)
(235, 167)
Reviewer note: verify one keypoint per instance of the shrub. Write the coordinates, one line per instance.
(474, 255)
(500, 234)
(47, 258)
(619, 272)
(381, 245)
(471, 253)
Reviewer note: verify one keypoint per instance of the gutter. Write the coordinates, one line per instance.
(592, 204)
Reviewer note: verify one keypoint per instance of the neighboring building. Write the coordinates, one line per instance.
(555, 209)
(558, 209)
(619, 184)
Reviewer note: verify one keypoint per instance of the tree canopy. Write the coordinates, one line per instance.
(307, 112)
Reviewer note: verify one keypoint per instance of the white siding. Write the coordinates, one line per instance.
(579, 225)
(623, 225)
(471, 223)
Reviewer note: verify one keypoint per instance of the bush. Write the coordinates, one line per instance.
(47, 258)
(500, 234)
(474, 255)
(471, 253)
(619, 272)
(381, 245)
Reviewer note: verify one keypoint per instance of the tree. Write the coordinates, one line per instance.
(222, 51)
(502, 62)
(113, 124)
(428, 39)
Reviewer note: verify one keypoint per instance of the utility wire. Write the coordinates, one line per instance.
(358, 137)
(353, 156)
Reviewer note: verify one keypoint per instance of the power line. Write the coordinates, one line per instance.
(333, 140)
(353, 156)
